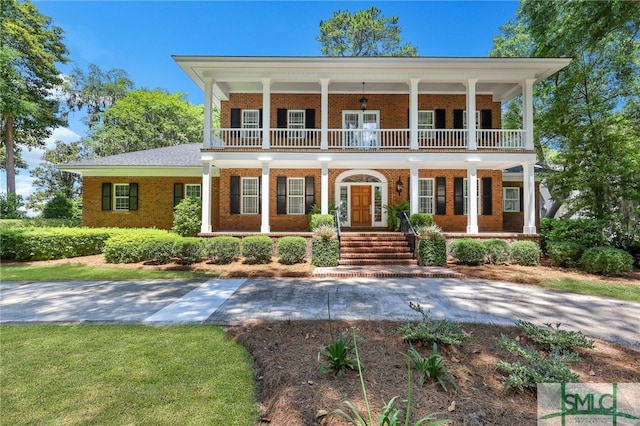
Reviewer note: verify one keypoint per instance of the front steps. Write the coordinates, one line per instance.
(375, 248)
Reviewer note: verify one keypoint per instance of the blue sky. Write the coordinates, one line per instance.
(141, 36)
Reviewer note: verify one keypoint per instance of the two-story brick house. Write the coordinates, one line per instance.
(359, 133)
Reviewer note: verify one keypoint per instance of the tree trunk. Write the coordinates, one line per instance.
(10, 167)
(553, 210)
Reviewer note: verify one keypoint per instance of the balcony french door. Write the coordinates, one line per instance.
(362, 128)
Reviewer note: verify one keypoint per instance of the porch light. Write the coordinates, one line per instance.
(363, 100)
(399, 186)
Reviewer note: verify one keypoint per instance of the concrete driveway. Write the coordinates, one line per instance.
(235, 301)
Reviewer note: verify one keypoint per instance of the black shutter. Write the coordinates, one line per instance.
(487, 196)
(309, 194)
(458, 195)
(485, 119)
(281, 118)
(458, 119)
(236, 118)
(281, 194)
(310, 118)
(441, 195)
(441, 119)
(260, 118)
(106, 196)
(133, 196)
(520, 196)
(234, 191)
(178, 190)
(260, 195)
(408, 118)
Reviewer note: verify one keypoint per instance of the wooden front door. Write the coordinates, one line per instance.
(360, 205)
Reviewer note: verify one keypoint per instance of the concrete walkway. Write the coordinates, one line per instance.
(236, 301)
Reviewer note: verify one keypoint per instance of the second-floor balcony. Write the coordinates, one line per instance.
(364, 139)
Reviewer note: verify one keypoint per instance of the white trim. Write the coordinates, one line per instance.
(383, 183)
(255, 196)
(505, 199)
(107, 171)
(298, 197)
(192, 185)
(117, 197)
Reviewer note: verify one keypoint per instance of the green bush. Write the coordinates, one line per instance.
(222, 250)
(55, 243)
(257, 249)
(394, 212)
(554, 338)
(318, 220)
(430, 330)
(187, 217)
(325, 232)
(468, 251)
(10, 239)
(420, 220)
(432, 249)
(127, 245)
(10, 205)
(159, 250)
(564, 253)
(188, 250)
(606, 261)
(292, 250)
(59, 207)
(584, 232)
(525, 253)
(498, 251)
(325, 252)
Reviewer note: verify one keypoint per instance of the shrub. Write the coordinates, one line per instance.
(292, 250)
(56, 243)
(564, 253)
(188, 250)
(59, 207)
(420, 220)
(584, 232)
(325, 252)
(606, 261)
(428, 330)
(318, 220)
(325, 232)
(10, 205)
(127, 245)
(498, 251)
(187, 217)
(432, 249)
(525, 253)
(222, 250)
(159, 250)
(394, 211)
(468, 251)
(553, 338)
(257, 249)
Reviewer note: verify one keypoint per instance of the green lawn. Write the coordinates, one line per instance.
(78, 272)
(124, 374)
(627, 292)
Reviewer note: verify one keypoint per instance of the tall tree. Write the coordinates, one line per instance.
(146, 119)
(30, 47)
(584, 111)
(365, 33)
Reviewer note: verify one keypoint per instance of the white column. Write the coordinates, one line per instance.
(265, 226)
(471, 113)
(529, 200)
(414, 189)
(413, 113)
(266, 113)
(208, 105)
(324, 189)
(324, 114)
(527, 112)
(205, 227)
(472, 197)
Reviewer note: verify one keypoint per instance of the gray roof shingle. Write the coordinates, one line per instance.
(177, 155)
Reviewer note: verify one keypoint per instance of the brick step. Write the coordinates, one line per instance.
(369, 246)
(397, 237)
(364, 262)
(381, 256)
(375, 252)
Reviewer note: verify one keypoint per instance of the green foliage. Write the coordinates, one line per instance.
(52, 243)
(59, 207)
(292, 250)
(325, 232)
(188, 250)
(159, 250)
(468, 251)
(365, 33)
(583, 232)
(325, 252)
(257, 249)
(394, 212)
(319, 220)
(339, 355)
(10, 239)
(564, 254)
(421, 220)
(525, 253)
(432, 249)
(127, 246)
(553, 338)
(429, 330)
(10, 205)
(187, 217)
(606, 261)
(222, 250)
(431, 367)
(497, 251)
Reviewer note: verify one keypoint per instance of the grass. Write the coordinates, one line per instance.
(124, 374)
(79, 273)
(626, 292)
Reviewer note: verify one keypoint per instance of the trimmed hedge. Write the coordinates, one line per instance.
(325, 252)
(187, 217)
(584, 232)
(468, 251)
(292, 250)
(52, 243)
(159, 250)
(188, 250)
(564, 253)
(606, 261)
(497, 251)
(421, 220)
(128, 247)
(525, 253)
(222, 250)
(318, 220)
(432, 249)
(257, 249)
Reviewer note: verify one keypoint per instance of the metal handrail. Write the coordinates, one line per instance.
(409, 231)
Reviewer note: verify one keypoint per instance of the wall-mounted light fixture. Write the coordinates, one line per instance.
(363, 100)
(399, 186)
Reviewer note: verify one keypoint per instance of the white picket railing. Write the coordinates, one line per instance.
(442, 138)
(500, 138)
(368, 139)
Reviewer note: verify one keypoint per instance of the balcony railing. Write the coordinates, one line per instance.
(364, 139)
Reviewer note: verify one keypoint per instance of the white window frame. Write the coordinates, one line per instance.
(295, 195)
(511, 204)
(464, 119)
(426, 200)
(120, 200)
(426, 122)
(465, 196)
(296, 121)
(190, 188)
(246, 196)
(251, 122)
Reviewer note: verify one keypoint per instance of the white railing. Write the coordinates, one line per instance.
(365, 139)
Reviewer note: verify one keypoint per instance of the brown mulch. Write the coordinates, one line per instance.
(292, 392)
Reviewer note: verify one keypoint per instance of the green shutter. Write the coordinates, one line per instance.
(178, 191)
(133, 196)
(106, 196)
